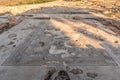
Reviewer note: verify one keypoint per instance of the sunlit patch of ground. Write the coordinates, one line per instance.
(21, 2)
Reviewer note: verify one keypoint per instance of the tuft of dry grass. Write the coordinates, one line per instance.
(22, 2)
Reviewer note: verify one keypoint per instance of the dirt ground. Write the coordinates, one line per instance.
(108, 8)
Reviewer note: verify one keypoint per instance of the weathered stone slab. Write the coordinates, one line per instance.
(47, 46)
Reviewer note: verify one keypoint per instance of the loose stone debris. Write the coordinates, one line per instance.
(92, 75)
(62, 75)
(11, 43)
(77, 71)
(12, 36)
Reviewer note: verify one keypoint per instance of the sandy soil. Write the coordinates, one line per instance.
(107, 8)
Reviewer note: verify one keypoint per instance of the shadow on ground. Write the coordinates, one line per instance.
(67, 35)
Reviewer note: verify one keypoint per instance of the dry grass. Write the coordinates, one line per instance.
(22, 2)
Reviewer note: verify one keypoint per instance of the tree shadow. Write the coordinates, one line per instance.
(84, 31)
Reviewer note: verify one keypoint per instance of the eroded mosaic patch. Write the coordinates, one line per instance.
(49, 46)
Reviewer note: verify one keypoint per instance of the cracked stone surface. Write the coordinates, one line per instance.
(56, 39)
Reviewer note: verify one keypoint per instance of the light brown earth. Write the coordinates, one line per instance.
(83, 40)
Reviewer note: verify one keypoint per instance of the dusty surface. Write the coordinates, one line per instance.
(54, 37)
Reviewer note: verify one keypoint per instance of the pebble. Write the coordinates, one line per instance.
(10, 43)
(77, 71)
(14, 45)
(92, 75)
(42, 44)
(116, 42)
(12, 35)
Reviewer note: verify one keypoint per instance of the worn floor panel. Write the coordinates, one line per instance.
(61, 39)
(49, 46)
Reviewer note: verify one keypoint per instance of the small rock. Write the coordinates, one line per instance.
(42, 44)
(77, 71)
(92, 75)
(10, 43)
(12, 19)
(115, 41)
(77, 18)
(14, 45)
(100, 38)
(12, 35)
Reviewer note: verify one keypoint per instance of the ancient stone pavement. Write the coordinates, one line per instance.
(59, 38)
